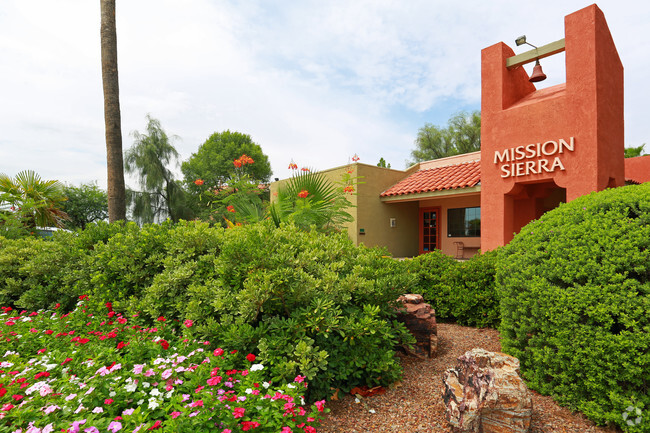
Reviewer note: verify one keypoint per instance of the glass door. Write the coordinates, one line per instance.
(429, 229)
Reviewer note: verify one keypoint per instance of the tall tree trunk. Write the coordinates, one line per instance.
(115, 164)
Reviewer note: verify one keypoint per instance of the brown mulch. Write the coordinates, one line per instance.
(415, 405)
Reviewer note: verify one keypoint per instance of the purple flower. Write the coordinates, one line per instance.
(114, 426)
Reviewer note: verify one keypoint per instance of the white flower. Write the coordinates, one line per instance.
(155, 392)
(112, 394)
(140, 401)
(169, 394)
(248, 391)
(79, 409)
(289, 385)
(49, 367)
(356, 400)
(146, 384)
(153, 403)
(6, 364)
(256, 367)
(91, 389)
(131, 387)
(98, 410)
(265, 385)
(371, 410)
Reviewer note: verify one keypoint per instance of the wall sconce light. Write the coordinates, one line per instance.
(538, 74)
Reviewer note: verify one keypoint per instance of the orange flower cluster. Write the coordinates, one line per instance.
(305, 169)
(231, 208)
(293, 165)
(303, 194)
(243, 160)
(199, 182)
(349, 189)
(355, 158)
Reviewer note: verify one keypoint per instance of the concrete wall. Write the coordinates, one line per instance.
(587, 111)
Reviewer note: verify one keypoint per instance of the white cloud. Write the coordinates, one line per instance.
(314, 81)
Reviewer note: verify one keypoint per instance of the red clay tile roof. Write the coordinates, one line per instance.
(463, 175)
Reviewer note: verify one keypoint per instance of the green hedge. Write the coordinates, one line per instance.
(575, 303)
(306, 303)
(463, 292)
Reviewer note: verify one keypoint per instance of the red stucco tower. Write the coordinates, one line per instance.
(543, 147)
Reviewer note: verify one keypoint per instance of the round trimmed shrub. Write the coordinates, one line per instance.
(575, 304)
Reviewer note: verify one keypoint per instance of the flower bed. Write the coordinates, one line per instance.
(79, 373)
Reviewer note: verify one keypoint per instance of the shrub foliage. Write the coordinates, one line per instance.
(306, 303)
(575, 303)
(463, 292)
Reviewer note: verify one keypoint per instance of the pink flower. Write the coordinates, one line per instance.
(226, 430)
(155, 425)
(309, 429)
(286, 430)
(198, 403)
(188, 323)
(175, 415)
(114, 426)
(215, 380)
(108, 401)
(238, 412)
(299, 379)
(320, 405)
(128, 411)
(92, 430)
(218, 352)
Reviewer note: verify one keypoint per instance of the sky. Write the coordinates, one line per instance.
(311, 81)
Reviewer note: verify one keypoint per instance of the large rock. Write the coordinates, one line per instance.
(420, 320)
(484, 394)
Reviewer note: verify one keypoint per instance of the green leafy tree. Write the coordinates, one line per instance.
(34, 202)
(632, 152)
(160, 196)
(212, 164)
(462, 135)
(382, 163)
(85, 204)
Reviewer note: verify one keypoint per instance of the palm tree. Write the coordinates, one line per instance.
(308, 199)
(38, 202)
(160, 195)
(115, 167)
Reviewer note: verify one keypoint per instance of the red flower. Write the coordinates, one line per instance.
(108, 401)
(355, 158)
(109, 305)
(199, 182)
(66, 361)
(188, 323)
(349, 189)
(305, 169)
(248, 425)
(82, 297)
(303, 194)
(293, 165)
(42, 374)
(231, 209)
(17, 397)
(161, 319)
(155, 425)
(121, 345)
(43, 350)
(218, 352)
(238, 412)
(57, 306)
(164, 344)
(250, 357)
(237, 163)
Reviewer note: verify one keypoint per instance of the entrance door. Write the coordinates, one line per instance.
(429, 229)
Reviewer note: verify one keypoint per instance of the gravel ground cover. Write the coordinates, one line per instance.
(415, 405)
